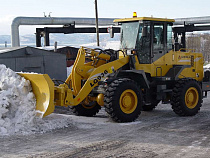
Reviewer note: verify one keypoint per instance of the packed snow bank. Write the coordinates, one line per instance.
(17, 107)
(17, 102)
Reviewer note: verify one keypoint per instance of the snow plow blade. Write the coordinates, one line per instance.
(43, 89)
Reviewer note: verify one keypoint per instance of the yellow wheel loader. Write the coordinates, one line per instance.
(148, 69)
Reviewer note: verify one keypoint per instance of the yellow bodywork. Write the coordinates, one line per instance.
(161, 66)
(92, 72)
(143, 18)
(75, 90)
(43, 88)
(86, 76)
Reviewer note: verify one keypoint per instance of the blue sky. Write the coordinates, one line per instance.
(107, 8)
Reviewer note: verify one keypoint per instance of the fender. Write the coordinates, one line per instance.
(139, 77)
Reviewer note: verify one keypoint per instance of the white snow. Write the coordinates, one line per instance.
(4, 50)
(17, 107)
(113, 45)
(104, 45)
(130, 123)
(69, 70)
(206, 66)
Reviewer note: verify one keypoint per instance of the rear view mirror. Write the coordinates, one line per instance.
(144, 31)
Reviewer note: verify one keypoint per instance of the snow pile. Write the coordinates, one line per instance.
(17, 107)
(17, 102)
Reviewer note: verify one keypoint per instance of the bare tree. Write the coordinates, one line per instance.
(200, 43)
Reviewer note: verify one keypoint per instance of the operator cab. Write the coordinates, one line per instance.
(151, 38)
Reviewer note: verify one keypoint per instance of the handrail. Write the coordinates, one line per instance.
(186, 49)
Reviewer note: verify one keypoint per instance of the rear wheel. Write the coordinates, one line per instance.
(122, 100)
(187, 97)
(83, 109)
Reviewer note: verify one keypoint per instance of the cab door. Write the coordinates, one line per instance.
(158, 46)
(158, 40)
(143, 43)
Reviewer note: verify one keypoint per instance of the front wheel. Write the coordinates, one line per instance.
(187, 97)
(83, 109)
(123, 100)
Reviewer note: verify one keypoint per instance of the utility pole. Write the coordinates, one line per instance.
(97, 29)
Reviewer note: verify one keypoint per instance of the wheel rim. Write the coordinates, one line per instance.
(88, 104)
(128, 101)
(191, 98)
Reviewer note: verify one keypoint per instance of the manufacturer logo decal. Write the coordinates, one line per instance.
(98, 78)
(184, 57)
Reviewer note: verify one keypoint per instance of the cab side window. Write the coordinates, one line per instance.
(158, 38)
(169, 37)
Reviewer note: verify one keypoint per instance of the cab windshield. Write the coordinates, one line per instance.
(129, 32)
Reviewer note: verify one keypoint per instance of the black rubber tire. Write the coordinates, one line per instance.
(178, 97)
(80, 110)
(112, 98)
(151, 107)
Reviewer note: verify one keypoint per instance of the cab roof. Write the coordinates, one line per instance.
(143, 19)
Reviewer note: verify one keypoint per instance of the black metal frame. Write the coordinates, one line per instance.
(181, 30)
(67, 29)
